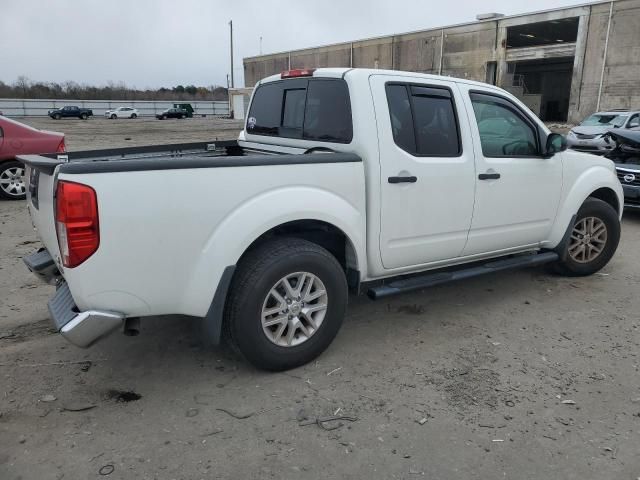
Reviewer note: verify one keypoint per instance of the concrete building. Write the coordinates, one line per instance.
(564, 63)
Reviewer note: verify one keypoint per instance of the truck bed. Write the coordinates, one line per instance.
(172, 218)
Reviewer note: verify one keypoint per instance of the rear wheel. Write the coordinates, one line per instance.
(286, 304)
(181, 117)
(593, 240)
(12, 183)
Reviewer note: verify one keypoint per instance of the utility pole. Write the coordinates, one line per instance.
(231, 35)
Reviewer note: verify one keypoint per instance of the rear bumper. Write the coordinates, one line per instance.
(80, 328)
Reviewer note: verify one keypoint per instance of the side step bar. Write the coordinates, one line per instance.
(431, 279)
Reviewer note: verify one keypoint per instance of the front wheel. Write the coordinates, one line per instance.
(12, 184)
(113, 116)
(84, 116)
(286, 304)
(593, 239)
(57, 116)
(133, 115)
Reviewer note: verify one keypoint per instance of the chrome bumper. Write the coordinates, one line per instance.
(80, 328)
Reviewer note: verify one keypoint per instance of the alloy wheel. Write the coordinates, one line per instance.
(294, 309)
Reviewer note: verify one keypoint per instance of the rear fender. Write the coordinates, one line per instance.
(247, 222)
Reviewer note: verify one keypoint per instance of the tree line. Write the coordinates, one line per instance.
(23, 87)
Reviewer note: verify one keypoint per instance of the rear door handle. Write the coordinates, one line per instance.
(403, 179)
(489, 176)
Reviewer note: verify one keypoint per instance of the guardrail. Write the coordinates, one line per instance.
(16, 107)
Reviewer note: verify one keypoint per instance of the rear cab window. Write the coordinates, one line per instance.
(316, 109)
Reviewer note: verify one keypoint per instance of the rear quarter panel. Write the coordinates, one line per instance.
(166, 236)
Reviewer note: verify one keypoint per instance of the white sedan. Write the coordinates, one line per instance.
(121, 112)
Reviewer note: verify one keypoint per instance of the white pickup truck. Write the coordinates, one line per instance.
(342, 180)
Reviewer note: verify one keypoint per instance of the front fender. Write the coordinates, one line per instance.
(583, 186)
(248, 221)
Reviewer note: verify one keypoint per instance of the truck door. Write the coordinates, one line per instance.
(517, 190)
(427, 170)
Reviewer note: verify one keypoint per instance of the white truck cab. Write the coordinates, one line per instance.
(342, 179)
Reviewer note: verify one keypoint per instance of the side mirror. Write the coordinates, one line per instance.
(555, 143)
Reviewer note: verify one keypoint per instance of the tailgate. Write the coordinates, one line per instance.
(41, 179)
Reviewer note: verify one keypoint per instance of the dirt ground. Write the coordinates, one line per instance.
(517, 375)
(98, 132)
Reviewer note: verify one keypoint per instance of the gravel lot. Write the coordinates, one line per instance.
(519, 375)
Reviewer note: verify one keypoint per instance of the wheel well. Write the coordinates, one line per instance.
(607, 195)
(321, 233)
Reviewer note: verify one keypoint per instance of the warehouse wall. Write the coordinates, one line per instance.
(466, 49)
(620, 88)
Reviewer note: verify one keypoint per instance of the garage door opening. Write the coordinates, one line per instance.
(544, 85)
(552, 32)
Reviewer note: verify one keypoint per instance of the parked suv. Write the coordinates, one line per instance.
(121, 112)
(343, 180)
(171, 113)
(590, 135)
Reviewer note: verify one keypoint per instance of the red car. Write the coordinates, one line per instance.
(19, 139)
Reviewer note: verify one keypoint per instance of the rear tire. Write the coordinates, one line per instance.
(12, 182)
(278, 328)
(593, 240)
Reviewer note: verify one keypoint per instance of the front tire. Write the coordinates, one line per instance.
(113, 116)
(593, 240)
(84, 116)
(133, 115)
(12, 182)
(286, 304)
(57, 116)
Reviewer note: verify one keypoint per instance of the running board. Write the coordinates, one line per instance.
(431, 279)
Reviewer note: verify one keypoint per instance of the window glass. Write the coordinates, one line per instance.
(605, 120)
(401, 119)
(435, 126)
(634, 121)
(266, 107)
(293, 109)
(328, 112)
(503, 131)
(314, 109)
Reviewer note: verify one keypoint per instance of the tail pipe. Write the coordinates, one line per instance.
(132, 326)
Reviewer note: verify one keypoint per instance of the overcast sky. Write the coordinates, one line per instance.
(153, 43)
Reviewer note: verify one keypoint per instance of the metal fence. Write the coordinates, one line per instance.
(15, 107)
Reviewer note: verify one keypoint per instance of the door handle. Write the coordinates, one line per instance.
(489, 176)
(403, 179)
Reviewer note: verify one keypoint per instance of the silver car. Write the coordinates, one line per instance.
(589, 135)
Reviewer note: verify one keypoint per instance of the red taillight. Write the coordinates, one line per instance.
(298, 72)
(76, 222)
(61, 147)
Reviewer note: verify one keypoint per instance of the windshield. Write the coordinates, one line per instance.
(604, 120)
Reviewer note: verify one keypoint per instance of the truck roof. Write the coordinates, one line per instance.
(341, 72)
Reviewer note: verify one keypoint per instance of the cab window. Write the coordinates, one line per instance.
(309, 109)
(423, 120)
(504, 130)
